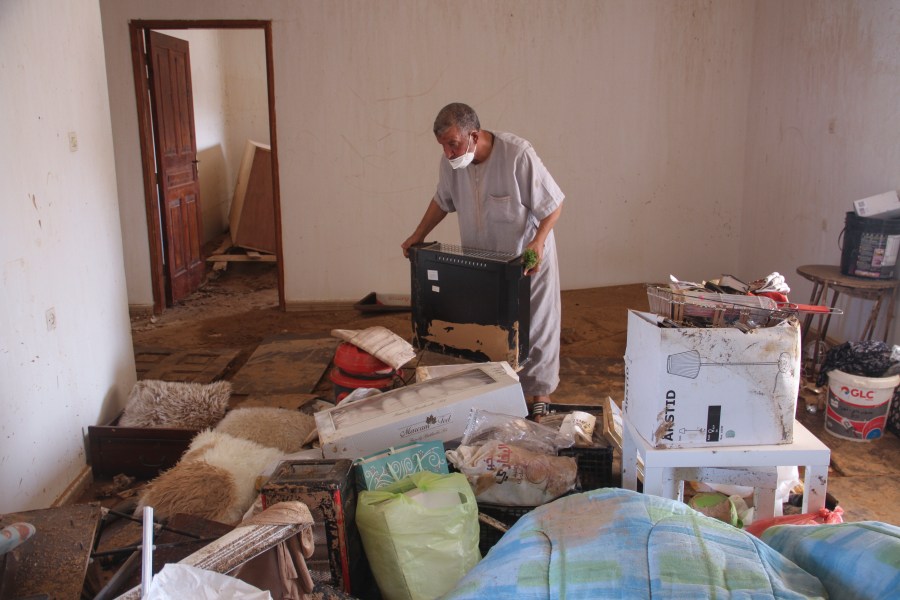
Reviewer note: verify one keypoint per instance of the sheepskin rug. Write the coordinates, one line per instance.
(154, 403)
(274, 427)
(215, 479)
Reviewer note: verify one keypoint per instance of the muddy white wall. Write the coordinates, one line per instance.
(246, 96)
(60, 250)
(691, 137)
(638, 108)
(823, 130)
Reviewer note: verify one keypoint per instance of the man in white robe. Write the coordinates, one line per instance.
(506, 201)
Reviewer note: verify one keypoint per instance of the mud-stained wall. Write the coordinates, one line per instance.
(637, 108)
(66, 359)
(823, 125)
(691, 137)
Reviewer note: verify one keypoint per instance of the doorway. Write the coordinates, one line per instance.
(175, 228)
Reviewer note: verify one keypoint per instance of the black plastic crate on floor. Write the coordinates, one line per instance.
(506, 515)
(594, 462)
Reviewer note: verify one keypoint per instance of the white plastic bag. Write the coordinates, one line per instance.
(178, 581)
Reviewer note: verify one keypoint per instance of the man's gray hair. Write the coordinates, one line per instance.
(459, 114)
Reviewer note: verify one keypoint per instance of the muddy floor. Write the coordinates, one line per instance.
(238, 309)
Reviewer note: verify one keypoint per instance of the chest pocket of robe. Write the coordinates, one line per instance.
(501, 209)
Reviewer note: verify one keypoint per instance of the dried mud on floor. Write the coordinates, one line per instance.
(239, 309)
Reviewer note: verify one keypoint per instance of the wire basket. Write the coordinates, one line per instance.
(712, 309)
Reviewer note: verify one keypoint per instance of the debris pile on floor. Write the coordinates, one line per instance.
(409, 485)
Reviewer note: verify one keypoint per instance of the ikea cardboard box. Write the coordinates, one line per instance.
(435, 409)
(696, 387)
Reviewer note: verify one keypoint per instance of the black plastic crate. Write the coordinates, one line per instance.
(594, 462)
(506, 515)
(594, 466)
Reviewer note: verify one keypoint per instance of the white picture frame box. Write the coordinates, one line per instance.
(695, 387)
(880, 206)
(436, 409)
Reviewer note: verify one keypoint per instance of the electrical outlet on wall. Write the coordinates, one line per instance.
(73, 141)
(50, 317)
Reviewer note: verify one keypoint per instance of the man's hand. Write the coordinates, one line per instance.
(410, 241)
(539, 250)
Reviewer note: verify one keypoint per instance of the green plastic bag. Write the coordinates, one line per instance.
(418, 552)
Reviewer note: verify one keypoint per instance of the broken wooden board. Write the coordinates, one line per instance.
(175, 545)
(197, 366)
(53, 563)
(234, 549)
(248, 257)
(285, 364)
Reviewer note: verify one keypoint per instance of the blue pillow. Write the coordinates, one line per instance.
(852, 560)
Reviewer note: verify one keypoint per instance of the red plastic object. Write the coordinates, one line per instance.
(822, 517)
(776, 296)
(355, 368)
(356, 362)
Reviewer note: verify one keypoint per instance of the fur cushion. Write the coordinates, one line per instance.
(215, 479)
(154, 403)
(273, 427)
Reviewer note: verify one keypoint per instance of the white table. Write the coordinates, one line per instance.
(666, 469)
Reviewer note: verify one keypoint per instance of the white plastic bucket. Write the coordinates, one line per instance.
(857, 406)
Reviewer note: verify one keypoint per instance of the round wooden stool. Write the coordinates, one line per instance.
(827, 278)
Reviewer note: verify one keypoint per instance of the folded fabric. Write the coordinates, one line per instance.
(853, 560)
(380, 342)
(614, 543)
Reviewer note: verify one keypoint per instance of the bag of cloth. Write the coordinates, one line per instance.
(420, 535)
(514, 476)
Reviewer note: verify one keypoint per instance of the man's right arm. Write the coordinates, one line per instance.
(433, 215)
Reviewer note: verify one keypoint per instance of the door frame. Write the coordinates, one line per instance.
(137, 30)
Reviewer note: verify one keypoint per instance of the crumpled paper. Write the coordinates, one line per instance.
(177, 581)
(773, 282)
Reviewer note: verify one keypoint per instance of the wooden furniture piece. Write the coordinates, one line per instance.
(252, 217)
(666, 469)
(136, 451)
(827, 278)
(53, 562)
(233, 549)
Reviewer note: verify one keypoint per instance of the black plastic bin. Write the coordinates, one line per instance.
(594, 462)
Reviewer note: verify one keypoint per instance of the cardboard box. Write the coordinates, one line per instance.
(436, 409)
(882, 206)
(694, 387)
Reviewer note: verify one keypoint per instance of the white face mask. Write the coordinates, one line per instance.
(463, 161)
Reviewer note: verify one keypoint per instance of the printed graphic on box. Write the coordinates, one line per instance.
(379, 470)
(435, 409)
(692, 387)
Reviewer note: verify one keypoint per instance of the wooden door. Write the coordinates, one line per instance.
(176, 157)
